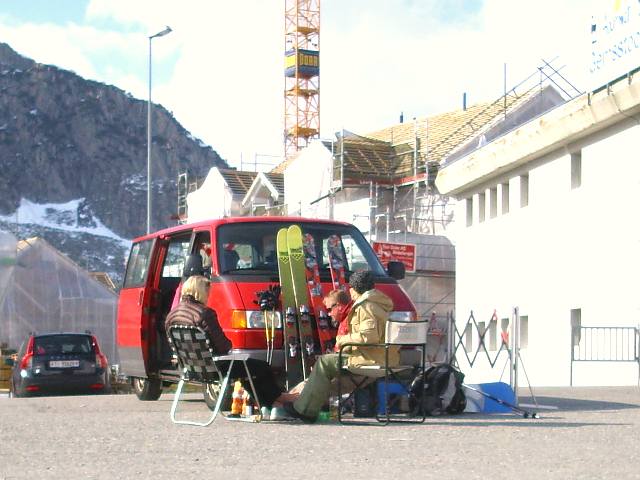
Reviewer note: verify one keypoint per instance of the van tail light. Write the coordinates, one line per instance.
(101, 359)
(27, 359)
(32, 388)
(96, 386)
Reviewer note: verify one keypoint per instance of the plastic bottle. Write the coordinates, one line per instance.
(333, 407)
(247, 408)
(237, 398)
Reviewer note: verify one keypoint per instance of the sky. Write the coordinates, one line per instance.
(220, 72)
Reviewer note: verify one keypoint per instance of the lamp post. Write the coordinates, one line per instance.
(164, 32)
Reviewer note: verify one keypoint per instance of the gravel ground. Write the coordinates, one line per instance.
(593, 434)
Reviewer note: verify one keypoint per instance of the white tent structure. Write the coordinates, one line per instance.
(41, 290)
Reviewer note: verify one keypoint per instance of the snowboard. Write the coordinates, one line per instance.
(326, 334)
(290, 340)
(299, 280)
(476, 402)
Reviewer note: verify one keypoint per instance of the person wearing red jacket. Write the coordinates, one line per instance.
(338, 303)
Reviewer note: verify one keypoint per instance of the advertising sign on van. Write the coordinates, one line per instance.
(399, 252)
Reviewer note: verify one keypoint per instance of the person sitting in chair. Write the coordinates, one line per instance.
(192, 311)
(366, 322)
(192, 266)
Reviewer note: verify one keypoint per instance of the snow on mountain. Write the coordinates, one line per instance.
(72, 216)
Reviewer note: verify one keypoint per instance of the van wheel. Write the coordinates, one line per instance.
(147, 388)
(210, 392)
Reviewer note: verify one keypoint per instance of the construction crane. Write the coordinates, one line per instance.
(302, 74)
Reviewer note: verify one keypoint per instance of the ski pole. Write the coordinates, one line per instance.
(273, 334)
(267, 332)
(525, 413)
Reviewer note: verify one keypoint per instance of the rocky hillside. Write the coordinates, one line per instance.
(64, 139)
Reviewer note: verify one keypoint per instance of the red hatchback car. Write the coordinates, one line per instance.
(59, 363)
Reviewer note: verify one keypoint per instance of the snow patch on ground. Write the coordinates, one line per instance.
(60, 216)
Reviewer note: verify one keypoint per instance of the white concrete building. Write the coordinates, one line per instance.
(547, 222)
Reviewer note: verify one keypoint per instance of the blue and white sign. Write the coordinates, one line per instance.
(615, 41)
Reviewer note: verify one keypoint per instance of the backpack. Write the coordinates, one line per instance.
(442, 391)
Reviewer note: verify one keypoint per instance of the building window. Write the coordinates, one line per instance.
(493, 329)
(469, 212)
(493, 202)
(505, 198)
(482, 205)
(524, 190)
(504, 330)
(524, 331)
(481, 330)
(468, 339)
(576, 169)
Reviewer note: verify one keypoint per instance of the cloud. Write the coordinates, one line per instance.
(221, 69)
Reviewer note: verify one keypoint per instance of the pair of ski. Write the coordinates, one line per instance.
(300, 287)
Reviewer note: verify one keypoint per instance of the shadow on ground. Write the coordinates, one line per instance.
(574, 404)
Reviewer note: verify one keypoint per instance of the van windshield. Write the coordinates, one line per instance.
(251, 248)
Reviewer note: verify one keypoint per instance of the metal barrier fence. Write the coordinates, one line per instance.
(507, 333)
(604, 344)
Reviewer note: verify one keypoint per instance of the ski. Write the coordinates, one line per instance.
(291, 344)
(337, 263)
(326, 334)
(298, 275)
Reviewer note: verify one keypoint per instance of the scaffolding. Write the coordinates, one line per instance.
(397, 178)
(302, 74)
(398, 165)
(186, 184)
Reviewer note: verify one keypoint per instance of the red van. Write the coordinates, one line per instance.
(239, 254)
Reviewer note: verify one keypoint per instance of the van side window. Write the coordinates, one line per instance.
(138, 264)
(176, 254)
(354, 255)
(202, 246)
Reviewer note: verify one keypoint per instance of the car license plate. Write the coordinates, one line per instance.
(64, 363)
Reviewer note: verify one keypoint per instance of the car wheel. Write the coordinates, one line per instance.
(211, 392)
(147, 388)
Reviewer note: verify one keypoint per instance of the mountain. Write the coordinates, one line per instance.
(73, 162)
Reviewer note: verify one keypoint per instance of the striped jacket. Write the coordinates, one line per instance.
(191, 312)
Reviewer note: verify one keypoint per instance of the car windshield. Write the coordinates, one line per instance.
(62, 344)
(251, 247)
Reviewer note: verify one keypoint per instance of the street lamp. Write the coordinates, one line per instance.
(164, 32)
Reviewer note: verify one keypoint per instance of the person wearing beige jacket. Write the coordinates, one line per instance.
(367, 321)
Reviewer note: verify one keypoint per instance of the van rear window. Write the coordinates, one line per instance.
(251, 247)
(138, 264)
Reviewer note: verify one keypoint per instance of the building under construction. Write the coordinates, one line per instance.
(383, 181)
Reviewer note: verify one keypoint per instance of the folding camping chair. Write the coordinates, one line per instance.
(199, 364)
(389, 379)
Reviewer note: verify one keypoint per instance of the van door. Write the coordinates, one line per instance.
(171, 260)
(135, 307)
